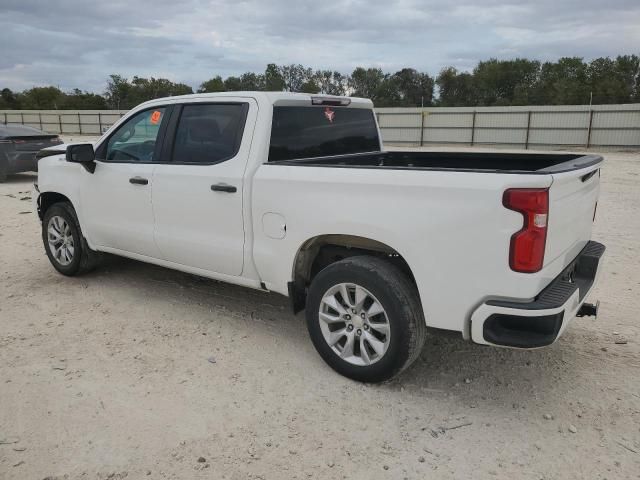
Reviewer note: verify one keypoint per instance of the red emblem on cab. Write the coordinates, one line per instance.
(329, 114)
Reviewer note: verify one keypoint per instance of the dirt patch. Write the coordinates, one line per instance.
(136, 371)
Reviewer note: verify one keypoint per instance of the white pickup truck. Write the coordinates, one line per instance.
(293, 193)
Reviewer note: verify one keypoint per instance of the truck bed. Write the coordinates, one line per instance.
(522, 163)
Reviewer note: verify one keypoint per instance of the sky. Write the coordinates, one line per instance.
(79, 43)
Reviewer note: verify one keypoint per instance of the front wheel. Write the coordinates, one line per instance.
(64, 243)
(365, 318)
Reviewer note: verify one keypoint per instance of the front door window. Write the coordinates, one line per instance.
(136, 139)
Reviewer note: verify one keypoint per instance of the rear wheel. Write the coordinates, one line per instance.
(64, 243)
(365, 318)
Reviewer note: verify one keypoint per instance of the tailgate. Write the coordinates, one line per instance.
(572, 201)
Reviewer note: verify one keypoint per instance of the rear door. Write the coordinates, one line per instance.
(572, 203)
(198, 191)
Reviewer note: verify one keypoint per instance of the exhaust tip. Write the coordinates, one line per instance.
(588, 310)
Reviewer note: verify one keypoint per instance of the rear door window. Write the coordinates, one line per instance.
(209, 133)
(307, 132)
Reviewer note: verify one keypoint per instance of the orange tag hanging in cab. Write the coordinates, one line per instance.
(155, 117)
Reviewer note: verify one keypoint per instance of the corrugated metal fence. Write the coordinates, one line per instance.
(598, 126)
(69, 122)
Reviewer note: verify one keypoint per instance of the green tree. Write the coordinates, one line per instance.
(331, 82)
(215, 84)
(79, 100)
(122, 93)
(151, 88)
(252, 82)
(118, 93)
(519, 81)
(414, 88)
(367, 82)
(233, 84)
(9, 100)
(42, 98)
(613, 81)
(310, 86)
(628, 68)
(388, 93)
(295, 77)
(456, 89)
(273, 81)
(563, 83)
(498, 81)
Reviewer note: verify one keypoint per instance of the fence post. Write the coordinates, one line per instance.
(100, 122)
(473, 128)
(60, 122)
(5, 118)
(526, 140)
(40, 118)
(422, 128)
(22, 117)
(79, 124)
(588, 144)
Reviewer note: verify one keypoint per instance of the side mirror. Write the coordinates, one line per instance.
(83, 154)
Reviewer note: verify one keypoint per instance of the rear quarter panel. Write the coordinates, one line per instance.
(450, 227)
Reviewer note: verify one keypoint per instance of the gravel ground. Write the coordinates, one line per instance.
(135, 371)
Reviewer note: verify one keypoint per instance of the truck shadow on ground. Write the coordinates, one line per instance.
(467, 373)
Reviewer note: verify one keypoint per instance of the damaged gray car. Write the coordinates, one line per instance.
(18, 147)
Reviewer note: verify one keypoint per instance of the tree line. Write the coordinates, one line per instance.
(568, 81)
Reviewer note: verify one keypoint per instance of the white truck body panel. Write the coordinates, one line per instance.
(442, 246)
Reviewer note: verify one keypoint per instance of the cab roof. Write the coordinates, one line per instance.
(273, 98)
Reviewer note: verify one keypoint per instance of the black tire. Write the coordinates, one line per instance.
(400, 300)
(84, 259)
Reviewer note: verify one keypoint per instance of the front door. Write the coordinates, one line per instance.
(198, 193)
(116, 198)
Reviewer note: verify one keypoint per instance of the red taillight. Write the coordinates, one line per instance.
(526, 253)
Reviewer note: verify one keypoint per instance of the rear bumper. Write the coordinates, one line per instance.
(540, 322)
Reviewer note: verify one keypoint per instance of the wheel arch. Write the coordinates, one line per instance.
(46, 199)
(321, 251)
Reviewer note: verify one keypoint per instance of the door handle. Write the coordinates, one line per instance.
(223, 187)
(138, 181)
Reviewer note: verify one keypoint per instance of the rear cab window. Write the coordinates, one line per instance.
(320, 131)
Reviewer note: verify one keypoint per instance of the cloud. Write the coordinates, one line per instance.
(75, 43)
